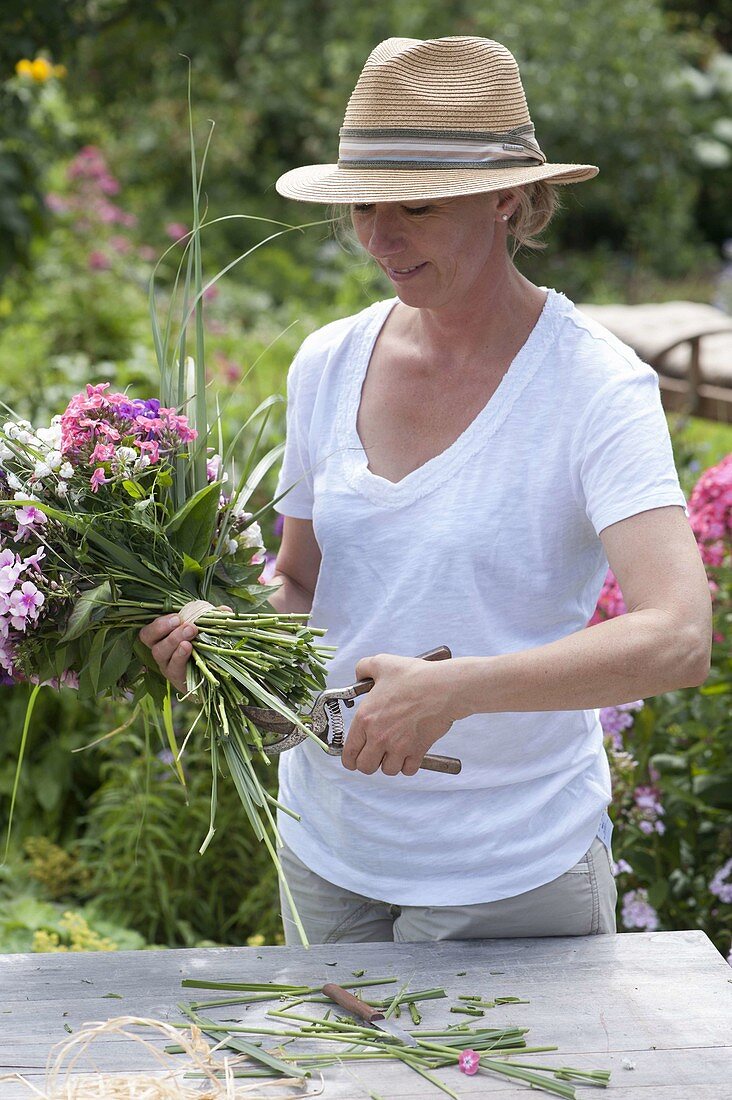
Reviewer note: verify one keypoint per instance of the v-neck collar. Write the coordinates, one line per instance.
(433, 473)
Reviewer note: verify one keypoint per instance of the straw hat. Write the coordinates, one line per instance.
(430, 120)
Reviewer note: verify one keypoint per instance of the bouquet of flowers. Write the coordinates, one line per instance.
(119, 511)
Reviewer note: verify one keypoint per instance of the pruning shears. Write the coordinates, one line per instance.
(326, 721)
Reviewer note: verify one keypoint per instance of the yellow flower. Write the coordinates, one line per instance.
(60, 71)
(41, 69)
(255, 940)
(43, 940)
(24, 67)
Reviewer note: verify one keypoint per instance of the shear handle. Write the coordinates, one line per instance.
(441, 653)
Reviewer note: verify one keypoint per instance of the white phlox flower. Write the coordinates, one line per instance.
(251, 536)
(66, 471)
(51, 436)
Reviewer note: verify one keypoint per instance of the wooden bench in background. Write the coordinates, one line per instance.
(689, 344)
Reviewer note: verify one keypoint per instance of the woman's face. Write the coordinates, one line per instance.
(435, 253)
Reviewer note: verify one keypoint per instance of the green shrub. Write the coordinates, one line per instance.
(140, 842)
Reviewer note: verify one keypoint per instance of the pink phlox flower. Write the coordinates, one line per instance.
(177, 424)
(98, 260)
(646, 798)
(151, 448)
(150, 425)
(57, 204)
(720, 884)
(96, 395)
(637, 912)
(610, 602)
(103, 452)
(104, 428)
(6, 655)
(616, 719)
(176, 230)
(25, 605)
(710, 512)
(31, 562)
(28, 519)
(469, 1062)
(98, 478)
(213, 468)
(10, 569)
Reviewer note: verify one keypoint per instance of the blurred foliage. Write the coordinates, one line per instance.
(275, 77)
(140, 843)
(58, 871)
(56, 780)
(28, 923)
(679, 751)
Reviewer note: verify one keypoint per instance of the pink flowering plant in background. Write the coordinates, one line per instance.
(671, 761)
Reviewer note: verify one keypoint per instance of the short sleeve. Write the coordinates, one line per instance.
(621, 454)
(295, 477)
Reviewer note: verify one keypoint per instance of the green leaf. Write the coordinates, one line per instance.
(95, 600)
(19, 765)
(48, 788)
(192, 528)
(60, 659)
(715, 790)
(190, 565)
(170, 733)
(666, 762)
(135, 490)
(116, 659)
(658, 892)
(253, 479)
(95, 656)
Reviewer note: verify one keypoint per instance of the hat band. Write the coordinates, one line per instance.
(401, 148)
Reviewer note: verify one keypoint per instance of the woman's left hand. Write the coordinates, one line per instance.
(402, 716)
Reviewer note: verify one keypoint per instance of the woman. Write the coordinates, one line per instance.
(466, 459)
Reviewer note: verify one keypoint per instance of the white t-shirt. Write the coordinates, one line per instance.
(490, 547)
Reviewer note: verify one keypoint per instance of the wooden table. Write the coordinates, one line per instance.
(661, 1001)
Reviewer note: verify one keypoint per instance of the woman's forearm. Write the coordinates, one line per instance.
(290, 596)
(634, 656)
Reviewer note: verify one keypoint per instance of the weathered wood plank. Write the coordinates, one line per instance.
(662, 999)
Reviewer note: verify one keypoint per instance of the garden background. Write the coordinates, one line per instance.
(95, 185)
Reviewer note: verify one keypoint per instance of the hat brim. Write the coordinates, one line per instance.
(327, 183)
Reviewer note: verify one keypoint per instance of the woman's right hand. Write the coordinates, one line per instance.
(169, 641)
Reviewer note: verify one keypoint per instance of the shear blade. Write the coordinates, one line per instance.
(269, 720)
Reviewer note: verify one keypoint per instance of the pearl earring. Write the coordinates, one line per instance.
(505, 217)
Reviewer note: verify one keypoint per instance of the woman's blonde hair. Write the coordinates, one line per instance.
(538, 203)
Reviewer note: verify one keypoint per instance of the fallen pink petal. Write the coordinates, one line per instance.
(469, 1062)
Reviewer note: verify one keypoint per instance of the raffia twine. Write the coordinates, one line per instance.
(193, 610)
(62, 1083)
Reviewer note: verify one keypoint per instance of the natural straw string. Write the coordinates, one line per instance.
(193, 610)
